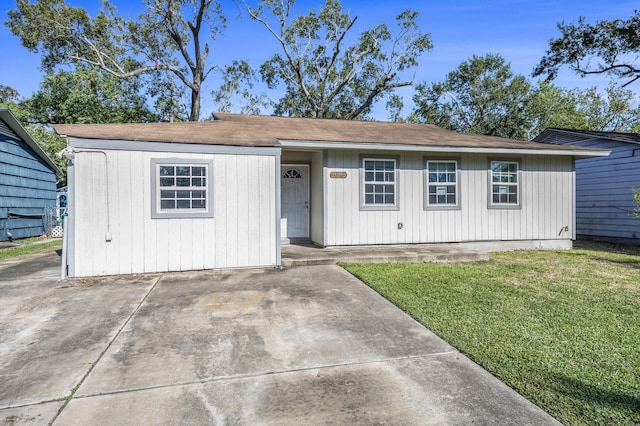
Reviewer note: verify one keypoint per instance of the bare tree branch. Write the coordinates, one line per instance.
(323, 77)
(120, 47)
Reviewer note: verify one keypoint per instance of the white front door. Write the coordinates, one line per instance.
(295, 201)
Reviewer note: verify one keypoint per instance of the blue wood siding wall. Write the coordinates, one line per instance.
(604, 200)
(27, 187)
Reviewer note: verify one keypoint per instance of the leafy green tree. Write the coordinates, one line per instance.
(394, 105)
(8, 94)
(606, 47)
(636, 199)
(324, 77)
(88, 96)
(169, 97)
(10, 98)
(51, 143)
(170, 29)
(552, 106)
(481, 96)
(235, 93)
(484, 96)
(613, 110)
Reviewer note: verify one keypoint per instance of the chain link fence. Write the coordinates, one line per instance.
(52, 223)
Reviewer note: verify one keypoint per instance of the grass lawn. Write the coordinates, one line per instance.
(560, 327)
(28, 246)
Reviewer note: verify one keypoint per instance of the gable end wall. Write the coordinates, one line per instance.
(27, 187)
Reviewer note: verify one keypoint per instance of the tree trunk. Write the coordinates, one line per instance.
(195, 104)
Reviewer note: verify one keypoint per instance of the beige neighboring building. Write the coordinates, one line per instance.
(228, 193)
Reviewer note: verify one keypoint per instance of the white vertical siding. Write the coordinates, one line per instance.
(68, 262)
(547, 201)
(317, 198)
(241, 233)
(267, 207)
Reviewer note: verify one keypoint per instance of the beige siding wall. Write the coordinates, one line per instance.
(547, 191)
(241, 233)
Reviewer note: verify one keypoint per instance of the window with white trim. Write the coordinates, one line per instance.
(505, 183)
(181, 188)
(379, 182)
(441, 184)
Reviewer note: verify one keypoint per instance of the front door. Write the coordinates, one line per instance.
(295, 201)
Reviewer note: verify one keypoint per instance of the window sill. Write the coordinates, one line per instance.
(441, 208)
(504, 207)
(379, 208)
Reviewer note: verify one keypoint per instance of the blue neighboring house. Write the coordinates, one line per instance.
(27, 181)
(604, 197)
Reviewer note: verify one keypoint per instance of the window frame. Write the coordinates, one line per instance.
(396, 182)
(517, 184)
(157, 212)
(288, 169)
(448, 206)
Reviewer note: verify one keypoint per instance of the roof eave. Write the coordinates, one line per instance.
(81, 143)
(426, 148)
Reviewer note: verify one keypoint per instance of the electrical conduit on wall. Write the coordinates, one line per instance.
(70, 156)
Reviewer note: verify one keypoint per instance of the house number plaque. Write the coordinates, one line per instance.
(338, 175)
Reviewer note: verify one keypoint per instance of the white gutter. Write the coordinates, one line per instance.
(124, 145)
(425, 148)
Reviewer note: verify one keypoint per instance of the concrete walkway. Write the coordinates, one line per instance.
(306, 254)
(309, 345)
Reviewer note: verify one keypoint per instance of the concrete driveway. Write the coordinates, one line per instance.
(305, 345)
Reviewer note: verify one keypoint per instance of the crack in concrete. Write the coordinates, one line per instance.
(265, 373)
(69, 397)
(33, 404)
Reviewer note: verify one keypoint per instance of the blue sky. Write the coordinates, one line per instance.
(519, 30)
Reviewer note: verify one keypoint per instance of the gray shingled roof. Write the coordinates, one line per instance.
(268, 131)
(618, 136)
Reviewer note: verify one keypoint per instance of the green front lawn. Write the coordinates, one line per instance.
(560, 327)
(31, 247)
